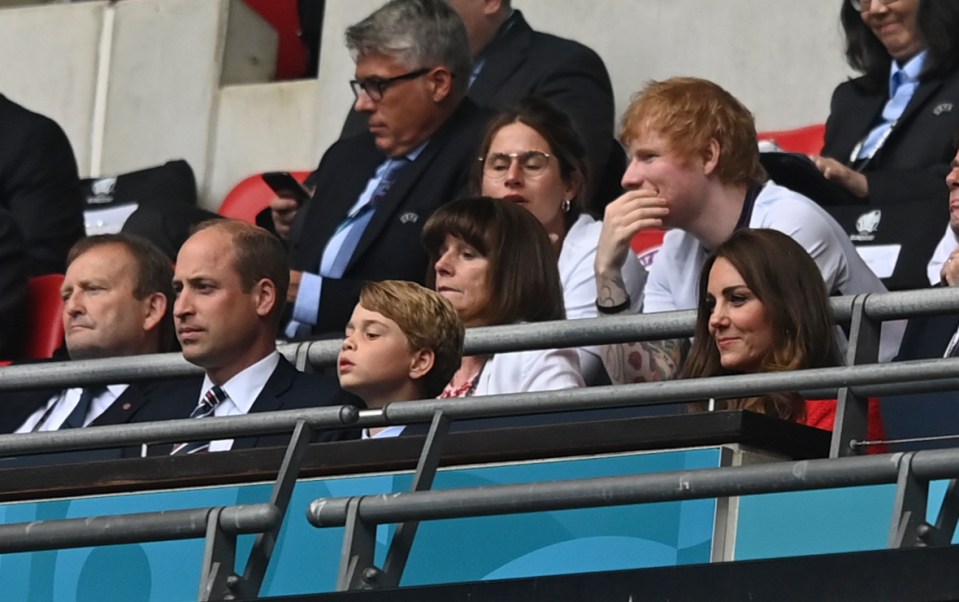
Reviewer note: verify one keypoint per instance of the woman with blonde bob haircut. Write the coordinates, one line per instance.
(763, 307)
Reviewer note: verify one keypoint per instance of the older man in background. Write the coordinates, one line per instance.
(374, 191)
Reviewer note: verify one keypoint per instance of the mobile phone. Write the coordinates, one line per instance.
(284, 184)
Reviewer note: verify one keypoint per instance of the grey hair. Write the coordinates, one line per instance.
(419, 34)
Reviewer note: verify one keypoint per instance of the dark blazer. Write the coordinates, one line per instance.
(933, 414)
(17, 406)
(521, 62)
(39, 186)
(286, 389)
(906, 176)
(390, 247)
(13, 286)
(914, 161)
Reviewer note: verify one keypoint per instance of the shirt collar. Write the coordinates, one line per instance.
(246, 385)
(911, 70)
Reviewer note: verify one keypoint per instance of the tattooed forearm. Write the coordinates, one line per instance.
(644, 361)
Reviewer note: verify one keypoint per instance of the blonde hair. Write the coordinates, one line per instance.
(427, 320)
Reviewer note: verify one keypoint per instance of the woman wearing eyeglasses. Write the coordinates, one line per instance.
(532, 156)
(891, 132)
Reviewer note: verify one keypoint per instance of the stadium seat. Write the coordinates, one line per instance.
(250, 197)
(44, 325)
(807, 140)
(646, 244)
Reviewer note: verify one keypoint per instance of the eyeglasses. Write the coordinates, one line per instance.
(864, 5)
(533, 163)
(375, 87)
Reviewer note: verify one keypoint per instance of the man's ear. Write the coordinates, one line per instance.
(421, 362)
(711, 157)
(155, 306)
(264, 296)
(440, 81)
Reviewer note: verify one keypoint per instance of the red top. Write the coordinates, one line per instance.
(821, 414)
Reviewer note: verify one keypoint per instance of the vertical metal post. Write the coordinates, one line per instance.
(356, 560)
(851, 410)
(217, 575)
(259, 560)
(429, 462)
(909, 512)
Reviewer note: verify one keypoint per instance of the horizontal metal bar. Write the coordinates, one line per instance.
(910, 304)
(133, 528)
(176, 430)
(490, 339)
(634, 489)
(666, 392)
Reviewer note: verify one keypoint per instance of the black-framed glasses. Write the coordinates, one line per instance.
(375, 87)
(864, 5)
(532, 162)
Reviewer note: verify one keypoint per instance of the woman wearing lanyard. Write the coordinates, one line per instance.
(891, 132)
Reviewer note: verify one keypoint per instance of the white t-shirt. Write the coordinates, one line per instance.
(674, 276)
(578, 276)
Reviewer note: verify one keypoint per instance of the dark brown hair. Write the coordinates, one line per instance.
(523, 277)
(790, 286)
(565, 145)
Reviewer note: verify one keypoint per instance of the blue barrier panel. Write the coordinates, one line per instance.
(306, 558)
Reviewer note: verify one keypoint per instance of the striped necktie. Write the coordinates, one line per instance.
(214, 397)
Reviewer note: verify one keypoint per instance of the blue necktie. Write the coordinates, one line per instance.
(360, 219)
(214, 397)
(78, 416)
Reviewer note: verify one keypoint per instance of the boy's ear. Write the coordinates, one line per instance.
(421, 362)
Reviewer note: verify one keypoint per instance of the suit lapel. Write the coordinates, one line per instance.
(17, 407)
(504, 56)
(399, 192)
(270, 398)
(123, 408)
(919, 98)
(336, 206)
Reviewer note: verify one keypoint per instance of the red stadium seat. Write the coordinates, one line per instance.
(646, 244)
(806, 140)
(44, 324)
(250, 197)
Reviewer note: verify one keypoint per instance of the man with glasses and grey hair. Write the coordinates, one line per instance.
(374, 191)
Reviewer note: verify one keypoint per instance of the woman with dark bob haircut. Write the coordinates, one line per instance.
(763, 307)
(891, 132)
(494, 262)
(533, 156)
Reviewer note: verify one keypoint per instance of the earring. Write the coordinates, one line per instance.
(566, 205)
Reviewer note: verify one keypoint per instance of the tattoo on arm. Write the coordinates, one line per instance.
(644, 361)
(612, 291)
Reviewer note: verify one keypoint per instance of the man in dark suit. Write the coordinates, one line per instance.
(117, 297)
(230, 281)
(39, 186)
(929, 337)
(375, 190)
(512, 61)
(13, 285)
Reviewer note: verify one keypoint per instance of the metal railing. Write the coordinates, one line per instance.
(852, 385)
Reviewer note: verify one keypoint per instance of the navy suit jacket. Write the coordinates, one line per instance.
(39, 186)
(16, 407)
(914, 161)
(390, 247)
(907, 189)
(522, 62)
(286, 389)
